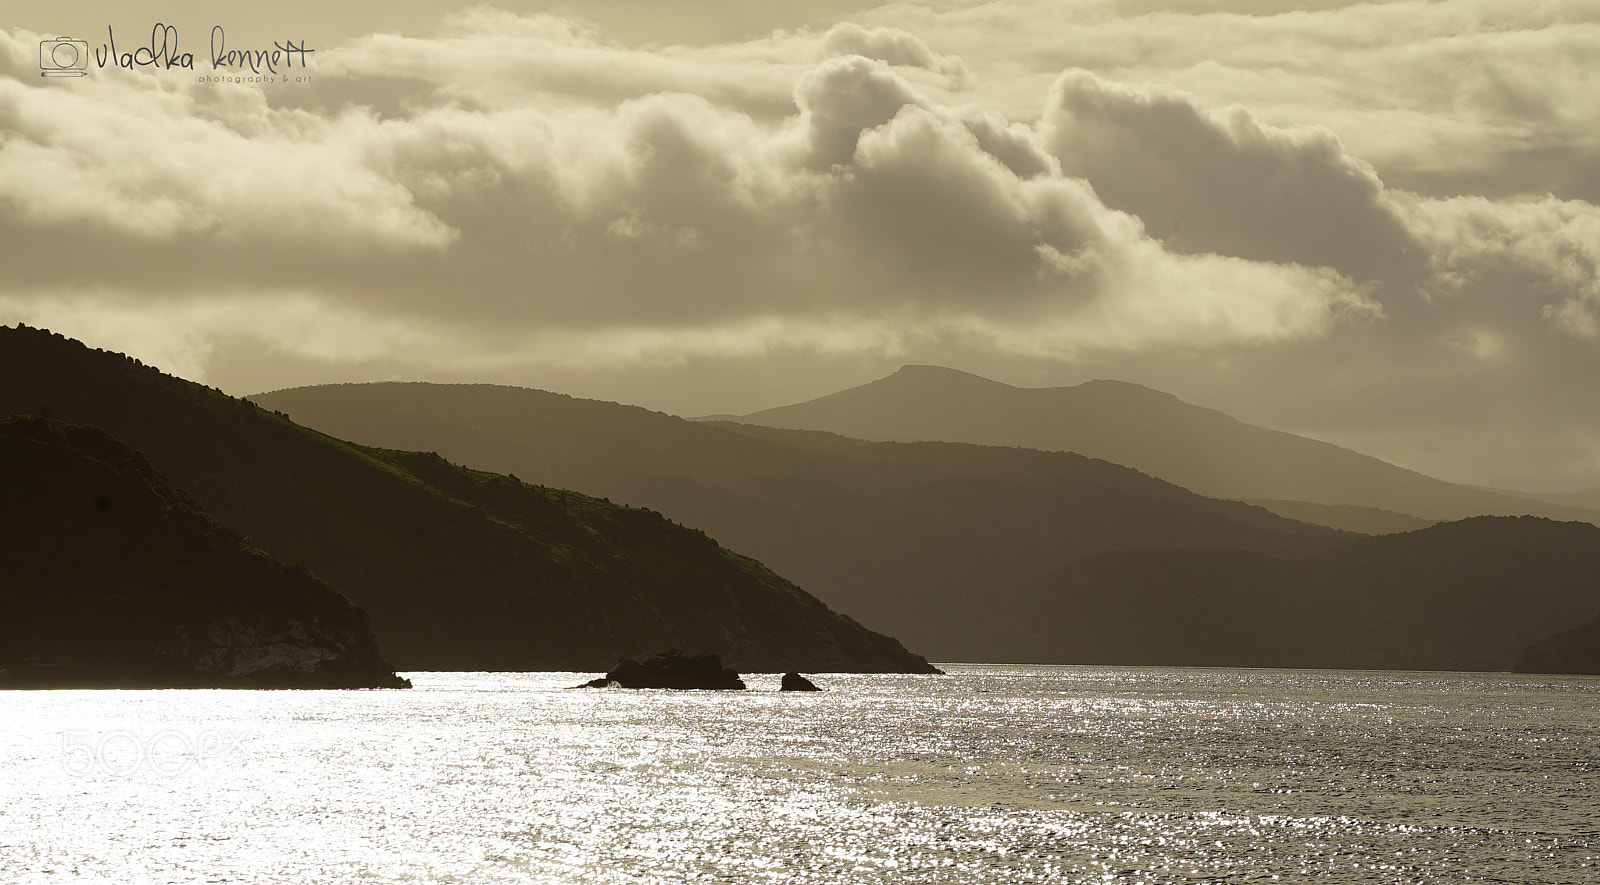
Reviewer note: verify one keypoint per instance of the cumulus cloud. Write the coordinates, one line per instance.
(1220, 181)
(123, 154)
(1450, 97)
(891, 46)
(1542, 253)
(870, 200)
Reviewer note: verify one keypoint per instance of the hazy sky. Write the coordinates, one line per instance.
(1376, 224)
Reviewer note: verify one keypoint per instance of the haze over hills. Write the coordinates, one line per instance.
(1197, 448)
(1586, 498)
(1005, 554)
(898, 535)
(111, 577)
(458, 569)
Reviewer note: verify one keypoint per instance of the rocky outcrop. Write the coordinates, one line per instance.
(109, 577)
(796, 682)
(671, 669)
(259, 652)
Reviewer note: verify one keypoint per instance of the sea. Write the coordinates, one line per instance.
(991, 774)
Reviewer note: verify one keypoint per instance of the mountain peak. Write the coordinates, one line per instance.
(941, 375)
(946, 377)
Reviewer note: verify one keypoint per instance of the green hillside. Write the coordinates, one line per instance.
(458, 569)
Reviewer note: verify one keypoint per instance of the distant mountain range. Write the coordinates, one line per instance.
(458, 569)
(988, 553)
(1474, 594)
(901, 536)
(1586, 498)
(1200, 449)
(111, 577)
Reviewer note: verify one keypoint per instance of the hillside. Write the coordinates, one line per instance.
(458, 569)
(109, 577)
(1347, 517)
(899, 535)
(1587, 498)
(1468, 595)
(1571, 651)
(1197, 448)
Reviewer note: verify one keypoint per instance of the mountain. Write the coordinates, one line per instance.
(1570, 651)
(109, 577)
(1587, 498)
(1197, 448)
(1467, 595)
(990, 553)
(1347, 517)
(903, 536)
(458, 569)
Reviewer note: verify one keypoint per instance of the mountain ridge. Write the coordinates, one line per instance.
(1130, 424)
(889, 532)
(1000, 554)
(459, 569)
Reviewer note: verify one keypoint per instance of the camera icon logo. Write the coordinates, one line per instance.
(63, 57)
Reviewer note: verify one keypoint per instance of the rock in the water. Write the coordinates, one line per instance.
(672, 669)
(796, 682)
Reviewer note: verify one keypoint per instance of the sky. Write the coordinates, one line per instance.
(1375, 224)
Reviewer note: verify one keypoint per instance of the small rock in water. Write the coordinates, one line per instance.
(796, 682)
(671, 669)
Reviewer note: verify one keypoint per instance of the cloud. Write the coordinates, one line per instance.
(1205, 203)
(489, 58)
(1545, 253)
(121, 154)
(1222, 182)
(667, 211)
(1492, 97)
(891, 46)
(842, 98)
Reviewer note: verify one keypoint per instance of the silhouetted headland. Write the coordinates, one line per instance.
(110, 577)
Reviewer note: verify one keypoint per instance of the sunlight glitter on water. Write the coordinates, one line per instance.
(993, 774)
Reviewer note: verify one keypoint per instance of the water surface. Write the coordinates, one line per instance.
(994, 774)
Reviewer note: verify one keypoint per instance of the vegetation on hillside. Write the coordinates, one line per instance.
(458, 569)
(111, 577)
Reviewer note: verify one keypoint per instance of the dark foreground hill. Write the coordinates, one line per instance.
(1197, 448)
(458, 569)
(903, 536)
(110, 577)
